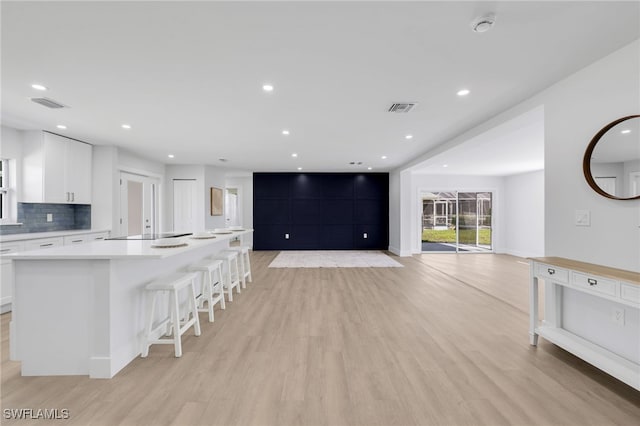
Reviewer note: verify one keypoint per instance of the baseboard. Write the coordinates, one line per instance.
(399, 252)
(518, 253)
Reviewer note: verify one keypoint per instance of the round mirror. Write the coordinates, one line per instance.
(612, 161)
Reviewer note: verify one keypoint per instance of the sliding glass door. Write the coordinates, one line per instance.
(456, 221)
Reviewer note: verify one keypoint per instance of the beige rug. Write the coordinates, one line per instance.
(333, 259)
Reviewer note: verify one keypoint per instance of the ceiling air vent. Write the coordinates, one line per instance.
(49, 103)
(402, 107)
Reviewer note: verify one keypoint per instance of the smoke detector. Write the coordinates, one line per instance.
(483, 23)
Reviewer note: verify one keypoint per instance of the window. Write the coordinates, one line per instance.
(4, 191)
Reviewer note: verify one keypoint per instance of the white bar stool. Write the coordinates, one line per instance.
(245, 263)
(172, 284)
(231, 272)
(208, 269)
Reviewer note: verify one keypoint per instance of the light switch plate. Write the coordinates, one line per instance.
(583, 218)
(286, 236)
(49, 217)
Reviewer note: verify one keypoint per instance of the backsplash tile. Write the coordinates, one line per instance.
(33, 217)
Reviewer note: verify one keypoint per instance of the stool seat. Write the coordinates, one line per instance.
(174, 281)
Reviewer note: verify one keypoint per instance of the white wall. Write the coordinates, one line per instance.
(394, 212)
(575, 110)
(421, 183)
(244, 184)
(11, 149)
(105, 190)
(524, 214)
(213, 177)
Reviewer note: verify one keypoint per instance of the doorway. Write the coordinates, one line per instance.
(138, 204)
(456, 222)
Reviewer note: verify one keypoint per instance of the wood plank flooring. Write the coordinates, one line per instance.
(434, 343)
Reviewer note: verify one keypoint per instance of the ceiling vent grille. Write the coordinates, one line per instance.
(49, 103)
(402, 108)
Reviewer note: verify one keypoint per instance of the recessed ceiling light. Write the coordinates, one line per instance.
(625, 131)
(39, 87)
(285, 132)
(61, 126)
(170, 155)
(463, 92)
(299, 168)
(384, 157)
(408, 137)
(126, 126)
(369, 168)
(267, 88)
(294, 155)
(445, 165)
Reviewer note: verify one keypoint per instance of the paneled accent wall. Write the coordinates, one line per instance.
(320, 211)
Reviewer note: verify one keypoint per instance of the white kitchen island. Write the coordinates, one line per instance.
(79, 310)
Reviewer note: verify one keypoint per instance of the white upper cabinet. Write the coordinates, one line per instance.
(55, 169)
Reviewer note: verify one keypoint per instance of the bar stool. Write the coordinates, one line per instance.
(207, 270)
(231, 272)
(245, 263)
(172, 284)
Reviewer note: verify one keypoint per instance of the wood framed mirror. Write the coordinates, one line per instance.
(611, 162)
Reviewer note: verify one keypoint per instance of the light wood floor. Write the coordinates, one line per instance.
(418, 345)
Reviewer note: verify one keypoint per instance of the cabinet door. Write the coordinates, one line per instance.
(78, 172)
(54, 169)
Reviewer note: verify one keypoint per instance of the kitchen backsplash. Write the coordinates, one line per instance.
(33, 217)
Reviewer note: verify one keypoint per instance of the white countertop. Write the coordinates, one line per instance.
(35, 235)
(119, 249)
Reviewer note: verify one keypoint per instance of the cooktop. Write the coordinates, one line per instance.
(152, 236)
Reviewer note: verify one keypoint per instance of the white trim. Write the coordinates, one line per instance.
(399, 252)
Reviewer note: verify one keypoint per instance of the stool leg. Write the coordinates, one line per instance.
(210, 296)
(242, 269)
(151, 302)
(219, 272)
(175, 319)
(194, 307)
(237, 274)
(229, 280)
(247, 263)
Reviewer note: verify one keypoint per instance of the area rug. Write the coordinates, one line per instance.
(333, 259)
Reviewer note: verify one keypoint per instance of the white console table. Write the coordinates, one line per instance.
(612, 284)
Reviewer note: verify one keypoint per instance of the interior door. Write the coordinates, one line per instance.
(184, 209)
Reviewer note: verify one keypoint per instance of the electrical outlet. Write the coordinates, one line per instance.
(365, 236)
(617, 316)
(286, 236)
(49, 217)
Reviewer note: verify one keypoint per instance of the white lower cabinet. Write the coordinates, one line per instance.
(6, 265)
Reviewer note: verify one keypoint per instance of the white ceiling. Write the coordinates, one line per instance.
(516, 146)
(188, 76)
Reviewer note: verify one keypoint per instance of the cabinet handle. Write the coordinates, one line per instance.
(76, 241)
(4, 250)
(73, 196)
(592, 281)
(68, 197)
(99, 238)
(46, 245)
(551, 271)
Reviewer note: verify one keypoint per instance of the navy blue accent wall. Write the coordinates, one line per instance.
(320, 211)
(33, 217)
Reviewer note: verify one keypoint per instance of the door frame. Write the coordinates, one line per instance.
(137, 176)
